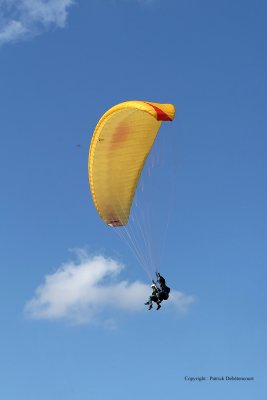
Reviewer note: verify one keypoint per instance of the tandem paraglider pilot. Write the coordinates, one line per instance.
(158, 293)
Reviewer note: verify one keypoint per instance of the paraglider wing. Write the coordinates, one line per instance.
(119, 147)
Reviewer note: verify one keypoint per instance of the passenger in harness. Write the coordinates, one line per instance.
(153, 297)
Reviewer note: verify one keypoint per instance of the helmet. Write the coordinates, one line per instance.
(153, 285)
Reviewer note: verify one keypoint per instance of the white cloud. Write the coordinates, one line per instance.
(11, 31)
(20, 19)
(90, 291)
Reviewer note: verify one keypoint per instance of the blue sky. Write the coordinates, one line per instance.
(62, 65)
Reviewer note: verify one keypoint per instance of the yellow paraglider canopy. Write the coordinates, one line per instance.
(120, 145)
